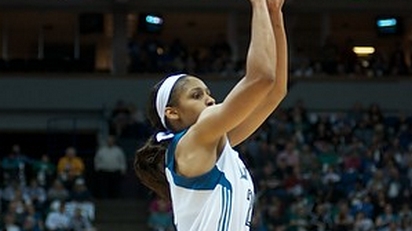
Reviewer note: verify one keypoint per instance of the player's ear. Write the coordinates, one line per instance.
(171, 113)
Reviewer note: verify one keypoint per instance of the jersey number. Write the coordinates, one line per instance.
(250, 198)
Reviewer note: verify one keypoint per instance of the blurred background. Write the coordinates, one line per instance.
(74, 80)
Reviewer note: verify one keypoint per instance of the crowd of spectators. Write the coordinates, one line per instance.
(332, 171)
(341, 60)
(313, 171)
(154, 55)
(39, 195)
(332, 59)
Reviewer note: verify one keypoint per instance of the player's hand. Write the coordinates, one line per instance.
(275, 4)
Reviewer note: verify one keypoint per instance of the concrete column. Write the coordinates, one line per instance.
(325, 28)
(5, 40)
(119, 43)
(76, 40)
(40, 45)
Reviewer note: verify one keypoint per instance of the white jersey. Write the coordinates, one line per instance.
(219, 200)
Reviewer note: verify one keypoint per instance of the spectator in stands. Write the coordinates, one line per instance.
(150, 48)
(14, 165)
(1, 200)
(398, 188)
(379, 63)
(348, 58)
(322, 130)
(78, 222)
(291, 155)
(135, 127)
(58, 219)
(160, 218)
(57, 192)
(386, 219)
(375, 114)
(9, 223)
(80, 192)
(30, 225)
(363, 223)
(179, 55)
(352, 161)
(44, 170)
(275, 214)
(301, 64)
(258, 221)
(221, 48)
(406, 224)
(330, 56)
(33, 220)
(397, 60)
(70, 167)
(269, 178)
(37, 194)
(119, 118)
(343, 220)
(299, 218)
(16, 208)
(356, 197)
(405, 215)
(110, 165)
(9, 192)
(355, 113)
(309, 163)
(378, 182)
(405, 212)
(135, 55)
(320, 219)
(334, 185)
(326, 154)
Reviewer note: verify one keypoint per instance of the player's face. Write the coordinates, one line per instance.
(193, 99)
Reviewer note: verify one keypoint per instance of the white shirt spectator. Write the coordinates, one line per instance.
(9, 223)
(36, 192)
(78, 222)
(15, 190)
(12, 228)
(58, 219)
(110, 158)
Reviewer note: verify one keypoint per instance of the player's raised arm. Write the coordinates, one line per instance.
(278, 92)
(252, 88)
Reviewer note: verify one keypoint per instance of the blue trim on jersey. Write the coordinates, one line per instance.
(172, 148)
(206, 181)
(230, 208)
(226, 211)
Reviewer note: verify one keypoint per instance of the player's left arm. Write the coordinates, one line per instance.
(278, 93)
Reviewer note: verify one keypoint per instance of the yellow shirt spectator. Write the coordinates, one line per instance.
(70, 165)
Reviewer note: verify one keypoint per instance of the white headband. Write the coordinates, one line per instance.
(163, 95)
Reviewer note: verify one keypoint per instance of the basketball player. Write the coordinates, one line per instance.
(191, 161)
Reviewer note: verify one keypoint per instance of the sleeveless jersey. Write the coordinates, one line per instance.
(219, 200)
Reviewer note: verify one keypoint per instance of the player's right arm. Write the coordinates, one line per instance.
(217, 120)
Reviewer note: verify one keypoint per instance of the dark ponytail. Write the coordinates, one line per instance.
(149, 167)
(149, 163)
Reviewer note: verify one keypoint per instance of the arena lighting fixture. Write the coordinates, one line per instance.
(387, 22)
(153, 19)
(363, 50)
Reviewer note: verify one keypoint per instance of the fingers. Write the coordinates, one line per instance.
(275, 4)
